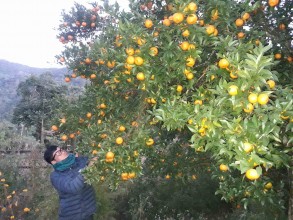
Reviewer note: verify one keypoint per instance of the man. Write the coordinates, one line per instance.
(77, 198)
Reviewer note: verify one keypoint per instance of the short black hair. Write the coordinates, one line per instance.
(48, 154)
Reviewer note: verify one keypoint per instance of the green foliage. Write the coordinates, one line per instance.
(204, 118)
(40, 97)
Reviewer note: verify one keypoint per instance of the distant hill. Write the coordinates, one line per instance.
(11, 74)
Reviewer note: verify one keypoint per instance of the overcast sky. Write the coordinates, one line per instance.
(27, 34)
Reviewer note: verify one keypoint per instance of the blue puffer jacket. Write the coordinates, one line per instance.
(77, 199)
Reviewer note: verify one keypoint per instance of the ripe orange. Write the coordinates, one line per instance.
(87, 61)
(103, 106)
(184, 45)
(210, 29)
(119, 140)
(192, 7)
(130, 60)
(191, 19)
(201, 22)
(252, 98)
(138, 61)
(64, 137)
(93, 76)
(189, 76)
(166, 22)
(124, 176)
(129, 51)
(190, 62)
(223, 63)
(249, 108)
(252, 174)
(67, 79)
(223, 167)
(271, 84)
(282, 27)
(245, 16)
(88, 115)
(72, 135)
(54, 128)
(198, 102)
(263, 99)
(148, 23)
(278, 56)
(121, 128)
(153, 51)
(150, 142)
(110, 155)
(185, 33)
(247, 147)
(273, 3)
(233, 90)
(239, 22)
(178, 17)
(240, 35)
(269, 185)
(140, 76)
(84, 24)
(179, 88)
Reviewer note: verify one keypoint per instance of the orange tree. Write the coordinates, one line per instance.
(197, 84)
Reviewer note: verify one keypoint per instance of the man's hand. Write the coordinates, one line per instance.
(92, 161)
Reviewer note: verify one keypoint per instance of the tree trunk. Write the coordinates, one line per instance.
(42, 131)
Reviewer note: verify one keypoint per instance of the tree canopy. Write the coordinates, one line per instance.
(179, 88)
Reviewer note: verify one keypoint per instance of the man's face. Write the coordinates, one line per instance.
(59, 155)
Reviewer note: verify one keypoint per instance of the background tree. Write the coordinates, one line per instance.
(211, 78)
(40, 100)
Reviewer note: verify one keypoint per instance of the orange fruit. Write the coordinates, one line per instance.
(148, 23)
(130, 60)
(239, 22)
(210, 29)
(189, 76)
(129, 51)
(140, 76)
(124, 176)
(245, 16)
(166, 22)
(150, 142)
(273, 3)
(192, 7)
(282, 27)
(185, 33)
(271, 84)
(119, 140)
(110, 155)
(252, 174)
(247, 147)
(223, 167)
(138, 61)
(249, 108)
(54, 128)
(240, 35)
(263, 99)
(233, 90)
(269, 185)
(178, 17)
(191, 19)
(252, 98)
(184, 45)
(121, 128)
(179, 88)
(198, 102)
(153, 51)
(67, 79)
(278, 56)
(223, 63)
(190, 62)
(64, 137)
